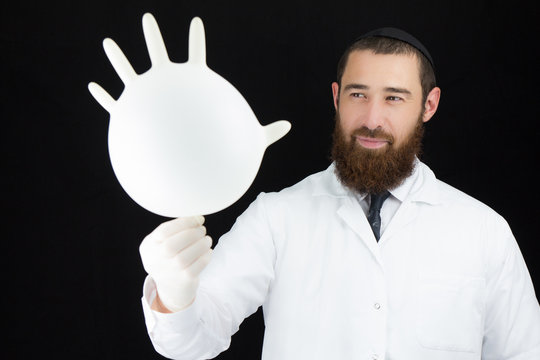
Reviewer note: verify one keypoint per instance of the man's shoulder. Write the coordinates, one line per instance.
(454, 196)
(450, 197)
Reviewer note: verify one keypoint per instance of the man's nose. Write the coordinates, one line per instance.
(374, 115)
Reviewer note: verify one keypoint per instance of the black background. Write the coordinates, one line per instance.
(73, 276)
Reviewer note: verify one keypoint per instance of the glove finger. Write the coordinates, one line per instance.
(195, 269)
(197, 42)
(102, 96)
(171, 227)
(154, 40)
(182, 240)
(119, 61)
(190, 254)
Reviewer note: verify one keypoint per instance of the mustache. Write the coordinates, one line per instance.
(377, 133)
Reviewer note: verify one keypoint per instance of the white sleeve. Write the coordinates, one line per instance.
(232, 287)
(181, 335)
(512, 324)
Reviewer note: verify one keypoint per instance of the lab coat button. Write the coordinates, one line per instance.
(377, 306)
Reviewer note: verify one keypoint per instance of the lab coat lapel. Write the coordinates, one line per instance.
(350, 210)
(353, 215)
(406, 213)
(424, 192)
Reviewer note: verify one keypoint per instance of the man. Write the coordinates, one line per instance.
(373, 258)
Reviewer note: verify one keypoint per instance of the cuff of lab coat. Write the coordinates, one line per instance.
(177, 322)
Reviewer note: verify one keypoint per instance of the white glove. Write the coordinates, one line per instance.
(174, 255)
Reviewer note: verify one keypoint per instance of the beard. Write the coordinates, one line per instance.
(373, 171)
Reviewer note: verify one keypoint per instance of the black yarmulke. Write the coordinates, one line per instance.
(401, 35)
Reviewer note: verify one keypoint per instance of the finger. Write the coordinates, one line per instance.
(195, 269)
(174, 226)
(101, 96)
(119, 61)
(197, 43)
(154, 40)
(183, 239)
(276, 131)
(190, 254)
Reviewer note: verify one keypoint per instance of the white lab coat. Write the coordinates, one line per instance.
(445, 281)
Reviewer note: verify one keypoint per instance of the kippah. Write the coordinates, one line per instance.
(401, 35)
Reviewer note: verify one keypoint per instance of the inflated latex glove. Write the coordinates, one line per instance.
(175, 117)
(174, 255)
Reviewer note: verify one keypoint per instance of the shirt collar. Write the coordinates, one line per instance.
(419, 186)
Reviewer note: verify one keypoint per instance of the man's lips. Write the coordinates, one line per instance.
(371, 143)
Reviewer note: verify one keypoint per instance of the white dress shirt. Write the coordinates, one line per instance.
(445, 281)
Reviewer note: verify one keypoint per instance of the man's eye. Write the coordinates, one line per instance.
(357, 95)
(393, 98)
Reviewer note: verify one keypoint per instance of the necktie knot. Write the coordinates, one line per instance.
(377, 201)
(374, 215)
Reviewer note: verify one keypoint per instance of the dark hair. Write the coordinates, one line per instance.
(385, 45)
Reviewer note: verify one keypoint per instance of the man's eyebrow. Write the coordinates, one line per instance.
(356, 87)
(397, 90)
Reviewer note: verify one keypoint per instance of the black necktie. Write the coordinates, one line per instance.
(374, 214)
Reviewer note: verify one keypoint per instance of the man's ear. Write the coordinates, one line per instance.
(335, 94)
(431, 104)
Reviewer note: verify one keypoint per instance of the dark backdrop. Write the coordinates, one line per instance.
(72, 273)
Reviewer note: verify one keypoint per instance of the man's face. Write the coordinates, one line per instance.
(379, 92)
(379, 116)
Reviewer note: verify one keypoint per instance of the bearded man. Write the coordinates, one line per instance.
(373, 258)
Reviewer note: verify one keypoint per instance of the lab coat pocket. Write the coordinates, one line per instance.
(450, 313)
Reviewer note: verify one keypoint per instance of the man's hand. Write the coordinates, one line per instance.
(174, 254)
